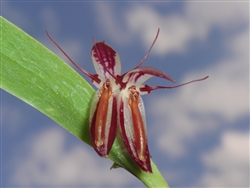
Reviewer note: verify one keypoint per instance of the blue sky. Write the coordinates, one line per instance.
(198, 134)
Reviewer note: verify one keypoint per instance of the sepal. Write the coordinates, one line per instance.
(132, 126)
(103, 119)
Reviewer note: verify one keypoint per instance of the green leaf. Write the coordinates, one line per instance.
(37, 76)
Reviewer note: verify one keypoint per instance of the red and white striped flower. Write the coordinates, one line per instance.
(118, 102)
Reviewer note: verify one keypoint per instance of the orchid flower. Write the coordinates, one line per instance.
(118, 102)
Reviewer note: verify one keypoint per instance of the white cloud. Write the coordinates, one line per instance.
(227, 165)
(143, 21)
(106, 17)
(49, 163)
(177, 29)
(201, 107)
(224, 15)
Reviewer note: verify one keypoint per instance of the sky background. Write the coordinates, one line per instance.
(198, 134)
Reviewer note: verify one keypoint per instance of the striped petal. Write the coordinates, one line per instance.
(103, 119)
(132, 123)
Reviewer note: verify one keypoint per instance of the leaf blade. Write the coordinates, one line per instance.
(37, 76)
